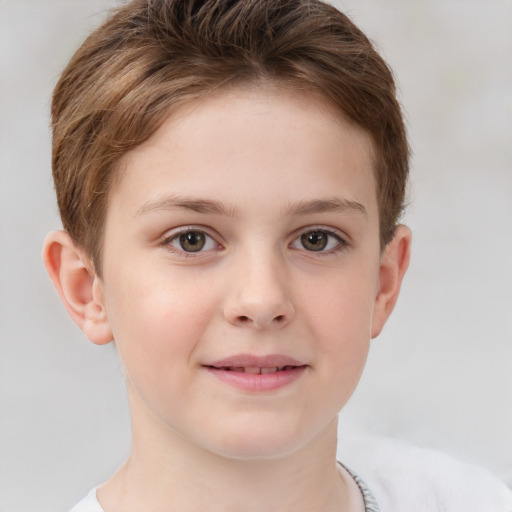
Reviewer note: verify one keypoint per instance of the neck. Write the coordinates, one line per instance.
(165, 472)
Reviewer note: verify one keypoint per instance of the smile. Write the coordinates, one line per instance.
(255, 369)
(257, 374)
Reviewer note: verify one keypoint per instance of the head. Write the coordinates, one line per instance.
(152, 57)
(230, 175)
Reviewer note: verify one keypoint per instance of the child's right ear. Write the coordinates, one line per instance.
(79, 287)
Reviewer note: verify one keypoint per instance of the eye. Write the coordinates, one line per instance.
(319, 240)
(192, 240)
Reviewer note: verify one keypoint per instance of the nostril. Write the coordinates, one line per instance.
(279, 318)
(243, 319)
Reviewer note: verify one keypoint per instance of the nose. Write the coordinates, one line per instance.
(259, 295)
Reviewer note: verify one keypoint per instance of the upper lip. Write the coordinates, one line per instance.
(266, 361)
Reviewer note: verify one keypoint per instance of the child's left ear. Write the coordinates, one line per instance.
(394, 263)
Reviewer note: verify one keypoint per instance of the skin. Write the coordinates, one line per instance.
(253, 170)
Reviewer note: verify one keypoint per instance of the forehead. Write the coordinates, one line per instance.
(280, 142)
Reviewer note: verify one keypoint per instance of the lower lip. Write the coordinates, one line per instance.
(258, 382)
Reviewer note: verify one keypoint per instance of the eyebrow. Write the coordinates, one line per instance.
(194, 204)
(208, 206)
(334, 204)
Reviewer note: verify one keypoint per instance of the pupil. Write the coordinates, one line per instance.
(193, 241)
(314, 240)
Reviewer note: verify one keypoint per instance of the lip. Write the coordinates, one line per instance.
(289, 370)
(266, 361)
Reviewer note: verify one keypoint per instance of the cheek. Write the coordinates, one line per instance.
(340, 318)
(342, 306)
(345, 336)
(157, 324)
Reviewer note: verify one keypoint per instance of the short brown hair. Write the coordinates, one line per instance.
(152, 56)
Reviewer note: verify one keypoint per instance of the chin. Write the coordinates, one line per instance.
(253, 443)
(256, 451)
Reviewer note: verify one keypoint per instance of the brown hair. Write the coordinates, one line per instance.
(152, 56)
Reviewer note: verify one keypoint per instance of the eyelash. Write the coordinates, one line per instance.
(341, 243)
(167, 241)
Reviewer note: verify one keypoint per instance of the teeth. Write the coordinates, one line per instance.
(253, 369)
(258, 370)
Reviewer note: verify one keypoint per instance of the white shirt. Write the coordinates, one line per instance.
(403, 478)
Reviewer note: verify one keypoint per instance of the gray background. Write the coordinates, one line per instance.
(440, 374)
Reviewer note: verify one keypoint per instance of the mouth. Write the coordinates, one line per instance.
(257, 374)
(255, 370)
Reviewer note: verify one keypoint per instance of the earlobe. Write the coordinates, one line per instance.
(394, 263)
(79, 288)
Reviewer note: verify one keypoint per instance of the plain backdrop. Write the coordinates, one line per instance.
(440, 375)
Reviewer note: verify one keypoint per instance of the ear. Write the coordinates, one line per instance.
(394, 263)
(78, 286)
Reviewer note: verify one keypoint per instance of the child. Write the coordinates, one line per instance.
(230, 176)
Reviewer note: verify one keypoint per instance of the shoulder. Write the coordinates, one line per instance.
(405, 478)
(88, 504)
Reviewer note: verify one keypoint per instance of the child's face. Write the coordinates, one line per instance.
(246, 227)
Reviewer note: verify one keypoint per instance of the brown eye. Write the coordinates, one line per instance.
(192, 241)
(319, 240)
(189, 241)
(315, 240)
